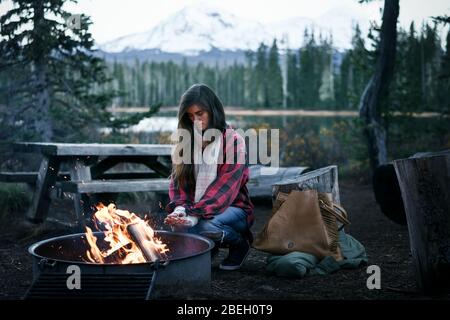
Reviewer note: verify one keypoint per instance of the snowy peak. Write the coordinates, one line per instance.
(192, 30)
(202, 27)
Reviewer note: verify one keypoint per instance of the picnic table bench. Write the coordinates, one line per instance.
(87, 166)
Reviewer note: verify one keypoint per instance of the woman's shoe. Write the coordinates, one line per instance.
(236, 256)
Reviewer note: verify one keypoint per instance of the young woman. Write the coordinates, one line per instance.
(211, 198)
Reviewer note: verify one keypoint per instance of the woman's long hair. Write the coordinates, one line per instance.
(204, 97)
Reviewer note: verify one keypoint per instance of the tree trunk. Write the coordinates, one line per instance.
(40, 121)
(369, 107)
(425, 187)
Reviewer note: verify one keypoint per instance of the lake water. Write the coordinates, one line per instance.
(317, 141)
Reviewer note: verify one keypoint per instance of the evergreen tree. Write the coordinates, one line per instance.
(53, 96)
(326, 89)
(185, 76)
(120, 76)
(261, 69)
(274, 78)
(444, 79)
(309, 81)
(360, 68)
(431, 55)
(342, 83)
(406, 92)
(250, 96)
(292, 80)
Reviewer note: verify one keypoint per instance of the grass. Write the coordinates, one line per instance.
(14, 199)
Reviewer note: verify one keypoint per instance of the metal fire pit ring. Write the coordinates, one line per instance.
(186, 270)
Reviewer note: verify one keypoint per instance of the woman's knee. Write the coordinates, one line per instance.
(210, 225)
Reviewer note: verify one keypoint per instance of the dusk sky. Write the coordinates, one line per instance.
(115, 18)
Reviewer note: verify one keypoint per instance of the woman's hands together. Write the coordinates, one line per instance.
(179, 218)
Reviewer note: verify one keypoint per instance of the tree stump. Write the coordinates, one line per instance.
(425, 186)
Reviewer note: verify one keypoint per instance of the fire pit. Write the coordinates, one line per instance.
(128, 260)
(188, 268)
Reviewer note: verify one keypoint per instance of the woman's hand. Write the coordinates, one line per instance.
(183, 221)
(178, 212)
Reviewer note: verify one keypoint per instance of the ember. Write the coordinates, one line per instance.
(122, 231)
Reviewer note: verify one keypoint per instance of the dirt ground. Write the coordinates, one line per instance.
(386, 243)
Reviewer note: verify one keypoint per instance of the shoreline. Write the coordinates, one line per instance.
(234, 111)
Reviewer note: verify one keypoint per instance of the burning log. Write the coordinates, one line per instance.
(130, 239)
(143, 240)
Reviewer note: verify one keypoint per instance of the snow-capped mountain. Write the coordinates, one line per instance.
(201, 28)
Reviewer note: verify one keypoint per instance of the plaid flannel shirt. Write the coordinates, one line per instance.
(228, 189)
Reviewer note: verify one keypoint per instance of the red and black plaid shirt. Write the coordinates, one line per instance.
(228, 189)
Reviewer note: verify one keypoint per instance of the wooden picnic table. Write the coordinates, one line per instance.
(87, 165)
(82, 170)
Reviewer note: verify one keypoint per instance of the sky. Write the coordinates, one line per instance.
(115, 18)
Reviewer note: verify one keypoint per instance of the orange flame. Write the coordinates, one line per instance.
(122, 247)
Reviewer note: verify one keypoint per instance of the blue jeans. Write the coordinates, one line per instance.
(233, 222)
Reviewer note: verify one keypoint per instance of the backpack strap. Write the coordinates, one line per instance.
(337, 211)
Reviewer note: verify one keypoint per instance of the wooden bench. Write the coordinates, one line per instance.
(18, 177)
(115, 186)
(31, 177)
(259, 185)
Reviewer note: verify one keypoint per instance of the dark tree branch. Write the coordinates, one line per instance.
(369, 107)
(442, 19)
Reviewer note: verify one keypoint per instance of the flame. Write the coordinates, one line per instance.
(122, 246)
